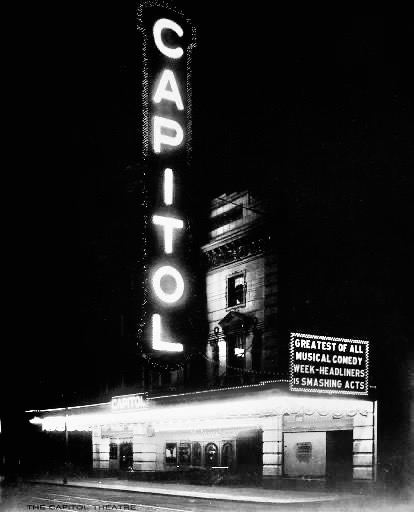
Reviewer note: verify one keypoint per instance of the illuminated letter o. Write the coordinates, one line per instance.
(170, 298)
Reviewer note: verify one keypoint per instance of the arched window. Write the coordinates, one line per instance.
(211, 455)
(227, 454)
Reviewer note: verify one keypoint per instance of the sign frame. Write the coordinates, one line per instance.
(332, 340)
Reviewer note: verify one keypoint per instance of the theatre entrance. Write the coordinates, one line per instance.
(126, 457)
(249, 454)
(339, 444)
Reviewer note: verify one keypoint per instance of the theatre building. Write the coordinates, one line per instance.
(261, 418)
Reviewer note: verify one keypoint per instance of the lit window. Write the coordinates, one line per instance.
(239, 342)
(236, 351)
(236, 290)
(171, 453)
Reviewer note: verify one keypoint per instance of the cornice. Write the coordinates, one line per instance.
(236, 249)
(238, 233)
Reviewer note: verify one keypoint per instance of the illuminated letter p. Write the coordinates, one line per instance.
(160, 137)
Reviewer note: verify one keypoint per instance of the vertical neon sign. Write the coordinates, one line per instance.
(168, 38)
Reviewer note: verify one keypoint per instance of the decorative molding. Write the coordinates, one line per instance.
(235, 250)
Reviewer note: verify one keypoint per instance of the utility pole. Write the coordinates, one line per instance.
(65, 467)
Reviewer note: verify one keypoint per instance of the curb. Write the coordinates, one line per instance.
(196, 494)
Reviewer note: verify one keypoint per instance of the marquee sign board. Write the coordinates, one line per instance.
(320, 364)
(168, 40)
(128, 402)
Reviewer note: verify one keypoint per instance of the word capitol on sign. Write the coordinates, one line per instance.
(167, 134)
(121, 403)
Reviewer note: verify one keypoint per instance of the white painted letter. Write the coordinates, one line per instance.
(159, 26)
(168, 223)
(170, 93)
(160, 137)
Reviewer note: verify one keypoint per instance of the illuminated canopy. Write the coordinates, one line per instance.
(251, 409)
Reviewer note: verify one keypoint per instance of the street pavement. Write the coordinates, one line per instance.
(26, 496)
(222, 492)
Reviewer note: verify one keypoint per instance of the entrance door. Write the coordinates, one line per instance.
(249, 454)
(339, 456)
(304, 454)
(126, 457)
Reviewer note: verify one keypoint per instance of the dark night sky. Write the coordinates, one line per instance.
(312, 112)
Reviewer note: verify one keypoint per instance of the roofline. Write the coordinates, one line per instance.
(67, 408)
(177, 395)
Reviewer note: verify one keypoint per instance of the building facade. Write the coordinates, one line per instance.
(261, 433)
(242, 293)
(246, 424)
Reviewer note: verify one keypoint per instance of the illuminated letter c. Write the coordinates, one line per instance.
(159, 26)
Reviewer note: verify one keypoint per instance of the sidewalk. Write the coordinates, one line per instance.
(240, 494)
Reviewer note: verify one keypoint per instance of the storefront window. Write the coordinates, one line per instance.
(211, 454)
(171, 453)
(196, 454)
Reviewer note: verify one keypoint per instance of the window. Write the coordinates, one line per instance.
(196, 461)
(238, 345)
(227, 217)
(171, 453)
(236, 355)
(236, 290)
(113, 451)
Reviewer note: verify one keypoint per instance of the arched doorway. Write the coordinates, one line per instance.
(227, 455)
